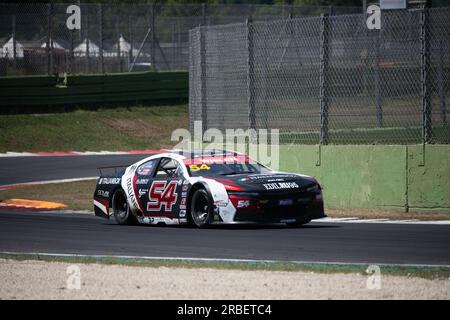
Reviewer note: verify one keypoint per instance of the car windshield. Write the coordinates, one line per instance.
(224, 169)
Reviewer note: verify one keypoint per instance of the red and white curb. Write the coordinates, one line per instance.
(79, 153)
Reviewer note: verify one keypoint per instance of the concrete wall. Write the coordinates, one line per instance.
(429, 177)
(389, 177)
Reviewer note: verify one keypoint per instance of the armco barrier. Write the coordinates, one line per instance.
(17, 92)
(413, 177)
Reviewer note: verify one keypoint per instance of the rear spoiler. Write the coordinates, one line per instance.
(115, 168)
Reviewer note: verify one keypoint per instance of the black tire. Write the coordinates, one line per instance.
(121, 210)
(201, 208)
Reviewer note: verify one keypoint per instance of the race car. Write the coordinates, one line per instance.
(206, 187)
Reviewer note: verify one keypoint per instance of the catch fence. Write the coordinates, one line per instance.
(35, 39)
(326, 79)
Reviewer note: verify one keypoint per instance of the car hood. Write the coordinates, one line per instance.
(269, 183)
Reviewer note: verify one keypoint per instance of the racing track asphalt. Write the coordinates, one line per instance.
(28, 169)
(319, 242)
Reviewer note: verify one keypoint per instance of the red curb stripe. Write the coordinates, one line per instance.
(148, 151)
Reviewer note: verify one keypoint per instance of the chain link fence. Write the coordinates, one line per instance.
(326, 79)
(117, 37)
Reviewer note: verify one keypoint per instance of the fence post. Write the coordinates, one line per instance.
(152, 44)
(378, 93)
(425, 75)
(203, 78)
(100, 31)
(88, 62)
(441, 84)
(179, 46)
(71, 68)
(203, 14)
(265, 71)
(14, 43)
(119, 49)
(172, 63)
(324, 77)
(130, 36)
(250, 75)
(49, 44)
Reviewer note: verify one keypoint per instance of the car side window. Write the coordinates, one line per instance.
(146, 169)
(168, 169)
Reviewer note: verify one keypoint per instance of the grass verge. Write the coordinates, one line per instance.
(104, 129)
(78, 196)
(394, 135)
(426, 272)
(390, 214)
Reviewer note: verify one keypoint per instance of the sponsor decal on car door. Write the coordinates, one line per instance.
(164, 190)
(141, 182)
(162, 196)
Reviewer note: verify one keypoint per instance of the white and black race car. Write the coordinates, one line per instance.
(204, 188)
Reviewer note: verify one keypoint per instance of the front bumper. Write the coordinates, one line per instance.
(288, 208)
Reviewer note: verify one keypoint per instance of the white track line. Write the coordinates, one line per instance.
(18, 154)
(382, 221)
(45, 254)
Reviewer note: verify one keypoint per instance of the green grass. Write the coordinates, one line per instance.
(105, 129)
(353, 120)
(151, 128)
(441, 135)
(426, 272)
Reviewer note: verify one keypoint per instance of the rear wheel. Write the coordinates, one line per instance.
(121, 210)
(201, 209)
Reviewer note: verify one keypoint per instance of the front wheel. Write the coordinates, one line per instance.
(121, 210)
(201, 209)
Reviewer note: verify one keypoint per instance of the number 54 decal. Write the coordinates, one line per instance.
(162, 194)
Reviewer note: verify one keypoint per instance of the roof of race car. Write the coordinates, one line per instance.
(205, 153)
(198, 156)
